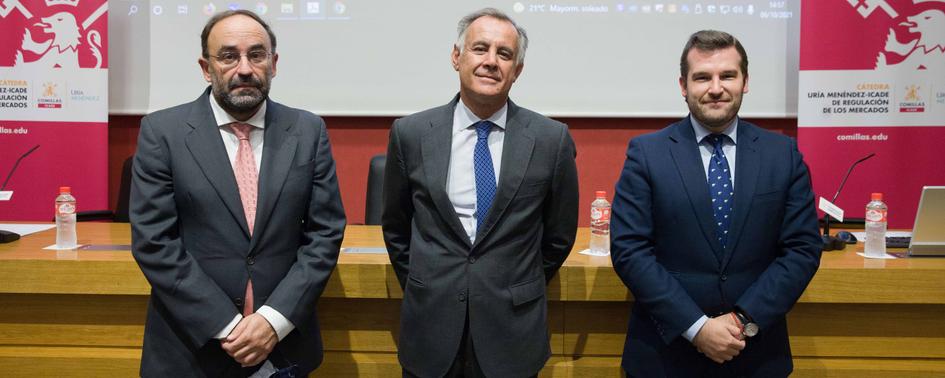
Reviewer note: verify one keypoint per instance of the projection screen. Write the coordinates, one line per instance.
(390, 58)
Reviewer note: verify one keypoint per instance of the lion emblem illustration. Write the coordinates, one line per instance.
(63, 48)
(924, 53)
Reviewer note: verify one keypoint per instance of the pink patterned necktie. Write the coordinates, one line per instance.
(247, 179)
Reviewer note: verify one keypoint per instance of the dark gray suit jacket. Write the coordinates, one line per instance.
(190, 237)
(500, 280)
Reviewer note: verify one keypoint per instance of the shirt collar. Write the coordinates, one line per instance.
(223, 118)
(464, 118)
(701, 132)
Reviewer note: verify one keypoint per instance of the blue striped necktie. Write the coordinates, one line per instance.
(485, 173)
(720, 187)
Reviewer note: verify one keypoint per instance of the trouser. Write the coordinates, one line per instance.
(465, 365)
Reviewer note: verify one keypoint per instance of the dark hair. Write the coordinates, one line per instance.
(711, 40)
(226, 14)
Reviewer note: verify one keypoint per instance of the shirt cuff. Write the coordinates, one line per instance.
(229, 328)
(695, 328)
(279, 323)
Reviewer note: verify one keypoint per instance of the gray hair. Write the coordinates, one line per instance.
(497, 14)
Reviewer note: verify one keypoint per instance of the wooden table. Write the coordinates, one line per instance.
(81, 313)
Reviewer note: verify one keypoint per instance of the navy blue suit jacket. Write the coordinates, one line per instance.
(665, 250)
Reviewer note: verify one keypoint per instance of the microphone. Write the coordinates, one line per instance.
(8, 236)
(832, 243)
(4, 186)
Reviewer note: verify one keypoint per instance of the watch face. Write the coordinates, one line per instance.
(751, 329)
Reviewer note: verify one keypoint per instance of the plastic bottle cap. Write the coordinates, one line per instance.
(876, 197)
(601, 194)
(65, 189)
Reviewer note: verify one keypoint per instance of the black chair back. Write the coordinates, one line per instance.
(124, 192)
(374, 203)
(121, 208)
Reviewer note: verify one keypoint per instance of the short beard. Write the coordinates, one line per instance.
(244, 102)
(714, 124)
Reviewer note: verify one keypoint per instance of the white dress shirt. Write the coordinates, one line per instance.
(279, 323)
(461, 178)
(705, 150)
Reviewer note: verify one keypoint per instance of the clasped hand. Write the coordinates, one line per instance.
(720, 339)
(251, 340)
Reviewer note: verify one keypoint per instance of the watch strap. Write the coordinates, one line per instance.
(748, 327)
(738, 321)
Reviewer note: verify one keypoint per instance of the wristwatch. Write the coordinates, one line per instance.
(749, 328)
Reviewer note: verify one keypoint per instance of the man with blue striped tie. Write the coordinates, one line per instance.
(713, 230)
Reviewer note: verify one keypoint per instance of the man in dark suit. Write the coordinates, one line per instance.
(480, 211)
(713, 266)
(236, 256)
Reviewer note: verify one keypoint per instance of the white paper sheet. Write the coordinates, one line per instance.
(26, 228)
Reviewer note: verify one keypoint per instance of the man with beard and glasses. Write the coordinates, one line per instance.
(713, 230)
(480, 211)
(236, 218)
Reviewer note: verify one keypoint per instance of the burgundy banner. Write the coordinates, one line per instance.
(872, 80)
(54, 94)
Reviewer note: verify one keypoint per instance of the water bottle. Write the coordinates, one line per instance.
(600, 225)
(875, 245)
(65, 219)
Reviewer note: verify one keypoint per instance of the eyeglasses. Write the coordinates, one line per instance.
(230, 58)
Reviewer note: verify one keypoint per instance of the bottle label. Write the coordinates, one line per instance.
(875, 215)
(600, 214)
(65, 208)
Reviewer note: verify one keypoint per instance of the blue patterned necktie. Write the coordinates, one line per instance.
(720, 187)
(485, 173)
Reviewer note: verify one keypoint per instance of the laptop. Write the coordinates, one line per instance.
(928, 234)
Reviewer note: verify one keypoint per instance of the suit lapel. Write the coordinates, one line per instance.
(279, 147)
(747, 168)
(685, 152)
(516, 154)
(206, 146)
(435, 151)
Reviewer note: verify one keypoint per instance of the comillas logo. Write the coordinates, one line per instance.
(49, 96)
(912, 100)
